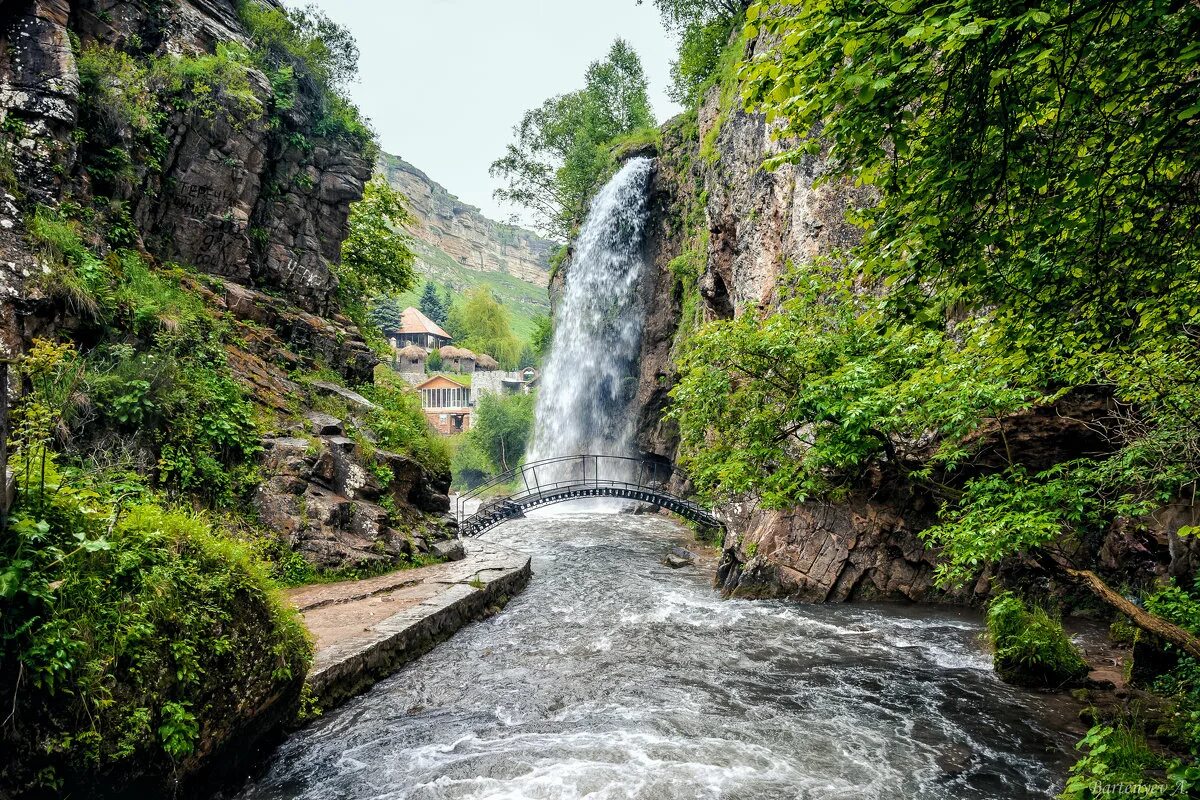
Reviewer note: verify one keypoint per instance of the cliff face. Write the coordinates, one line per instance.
(234, 198)
(245, 189)
(724, 231)
(740, 226)
(463, 233)
(159, 152)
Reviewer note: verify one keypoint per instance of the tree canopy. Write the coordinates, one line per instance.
(433, 304)
(376, 257)
(703, 28)
(560, 159)
(481, 324)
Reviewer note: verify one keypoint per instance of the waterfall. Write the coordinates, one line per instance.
(591, 376)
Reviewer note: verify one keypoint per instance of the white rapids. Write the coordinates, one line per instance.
(612, 676)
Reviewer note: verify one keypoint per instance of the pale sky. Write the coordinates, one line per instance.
(444, 81)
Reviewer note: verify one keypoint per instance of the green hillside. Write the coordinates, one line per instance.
(522, 299)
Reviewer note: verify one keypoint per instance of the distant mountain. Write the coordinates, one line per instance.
(459, 248)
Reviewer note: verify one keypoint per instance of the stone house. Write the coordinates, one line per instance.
(457, 359)
(409, 359)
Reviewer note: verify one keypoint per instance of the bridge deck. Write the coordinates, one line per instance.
(557, 480)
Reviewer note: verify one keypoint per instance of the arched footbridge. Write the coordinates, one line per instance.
(557, 480)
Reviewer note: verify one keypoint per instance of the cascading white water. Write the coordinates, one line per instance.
(586, 387)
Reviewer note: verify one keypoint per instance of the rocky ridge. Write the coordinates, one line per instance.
(462, 232)
(263, 208)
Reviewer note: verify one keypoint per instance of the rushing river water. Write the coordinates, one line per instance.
(613, 676)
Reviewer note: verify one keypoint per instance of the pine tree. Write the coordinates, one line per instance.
(386, 314)
(432, 305)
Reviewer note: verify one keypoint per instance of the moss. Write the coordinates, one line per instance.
(557, 260)
(1029, 647)
(640, 140)
(728, 85)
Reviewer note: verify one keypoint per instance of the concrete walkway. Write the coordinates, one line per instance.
(366, 630)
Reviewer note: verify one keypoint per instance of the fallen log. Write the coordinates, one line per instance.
(1167, 631)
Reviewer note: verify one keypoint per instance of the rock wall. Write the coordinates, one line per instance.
(260, 200)
(712, 193)
(462, 232)
(235, 197)
(748, 224)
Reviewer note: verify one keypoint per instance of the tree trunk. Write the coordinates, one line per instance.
(1164, 630)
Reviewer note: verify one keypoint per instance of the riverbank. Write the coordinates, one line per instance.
(365, 630)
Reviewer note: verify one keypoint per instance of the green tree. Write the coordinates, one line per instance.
(376, 257)
(703, 28)
(501, 428)
(386, 314)
(305, 36)
(481, 324)
(543, 336)
(432, 303)
(559, 159)
(303, 46)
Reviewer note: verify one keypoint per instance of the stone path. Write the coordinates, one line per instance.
(366, 630)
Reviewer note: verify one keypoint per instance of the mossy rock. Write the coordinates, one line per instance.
(1030, 648)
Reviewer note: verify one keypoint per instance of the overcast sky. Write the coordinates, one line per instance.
(445, 81)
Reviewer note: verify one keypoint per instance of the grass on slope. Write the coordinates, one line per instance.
(522, 299)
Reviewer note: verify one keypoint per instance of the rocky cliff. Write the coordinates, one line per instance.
(245, 189)
(725, 230)
(722, 234)
(173, 207)
(460, 231)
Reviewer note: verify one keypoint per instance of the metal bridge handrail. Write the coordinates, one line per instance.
(524, 471)
(504, 509)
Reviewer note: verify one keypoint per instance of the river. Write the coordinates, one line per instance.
(613, 676)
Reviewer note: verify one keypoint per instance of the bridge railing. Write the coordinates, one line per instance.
(553, 474)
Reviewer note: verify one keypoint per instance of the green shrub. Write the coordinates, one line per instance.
(1182, 684)
(169, 384)
(501, 429)
(1115, 759)
(469, 465)
(178, 399)
(1122, 632)
(210, 84)
(128, 633)
(1029, 647)
(700, 49)
(75, 274)
(121, 118)
(304, 44)
(400, 426)
(434, 362)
